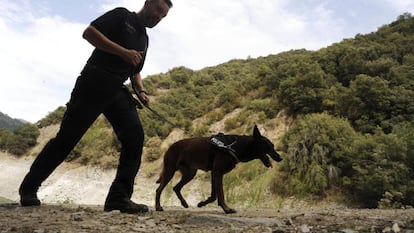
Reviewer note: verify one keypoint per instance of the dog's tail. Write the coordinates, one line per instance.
(163, 170)
(168, 166)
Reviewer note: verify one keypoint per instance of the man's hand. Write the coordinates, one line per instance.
(100, 41)
(132, 56)
(144, 98)
(138, 88)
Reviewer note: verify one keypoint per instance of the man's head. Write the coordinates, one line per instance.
(154, 11)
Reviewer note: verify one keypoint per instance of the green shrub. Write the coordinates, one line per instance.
(99, 146)
(52, 118)
(316, 155)
(201, 131)
(267, 106)
(391, 200)
(379, 166)
(20, 140)
(152, 150)
(5, 137)
(231, 123)
(215, 115)
(247, 185)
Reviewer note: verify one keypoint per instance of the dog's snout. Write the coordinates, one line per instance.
(276, 157)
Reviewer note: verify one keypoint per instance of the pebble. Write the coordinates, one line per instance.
(150, 223)
(288, 222)
(348, 231)
(395, 228)
(304, 228)
(387, 230)
(77, 217)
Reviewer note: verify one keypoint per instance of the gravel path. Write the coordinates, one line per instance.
(80, 218)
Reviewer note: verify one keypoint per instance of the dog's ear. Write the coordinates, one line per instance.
(256, 132)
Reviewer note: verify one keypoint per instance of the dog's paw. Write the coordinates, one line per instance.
(230, 211)
(184, 204)
(159, 209)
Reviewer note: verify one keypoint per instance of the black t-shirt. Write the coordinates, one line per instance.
(122, 27)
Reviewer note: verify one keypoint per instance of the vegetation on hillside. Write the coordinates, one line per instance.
(19, 140)
(9, 123)
(353, 103)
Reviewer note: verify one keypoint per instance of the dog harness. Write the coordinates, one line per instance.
(217, 140)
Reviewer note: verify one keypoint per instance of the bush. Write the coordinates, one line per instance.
(379, 166)
(201, 131)
(231, 123)
(20, 140)
(99, 146)
(152, 150)
(215, 115)
(52, 118)
(391, 200)
(266, 106)
(317, 155)
(304, 92)
(247, 185)
(228, 97)
(5, 136)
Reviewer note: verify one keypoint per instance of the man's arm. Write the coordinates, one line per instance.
(101, 42)
(138, 87)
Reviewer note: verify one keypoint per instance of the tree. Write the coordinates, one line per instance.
(316, 154)
(181, 75)
(20, 140)
(304, 92)
(379, 165)
(5, 137)
(367, 103)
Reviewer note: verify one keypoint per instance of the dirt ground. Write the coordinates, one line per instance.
(81, 218)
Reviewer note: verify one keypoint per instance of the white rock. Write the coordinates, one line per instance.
(395, 228)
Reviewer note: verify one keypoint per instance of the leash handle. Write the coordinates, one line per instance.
(138, 94)
(136, 90)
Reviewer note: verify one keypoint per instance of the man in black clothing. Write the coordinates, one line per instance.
(120, 40)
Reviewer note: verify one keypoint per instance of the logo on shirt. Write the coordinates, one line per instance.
(130, 28)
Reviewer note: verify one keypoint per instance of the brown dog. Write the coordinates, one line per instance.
(189, 155)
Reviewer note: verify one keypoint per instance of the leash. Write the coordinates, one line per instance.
(141, 102)
(166, 120)
(213, 140)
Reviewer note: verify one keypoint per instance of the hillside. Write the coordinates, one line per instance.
(6, 122)
(342, 117)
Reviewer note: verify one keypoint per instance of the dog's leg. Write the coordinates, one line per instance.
(218, 183)
(187, 175)
(164, 179)
(212, 197)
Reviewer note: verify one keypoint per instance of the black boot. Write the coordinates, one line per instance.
(28, 198)
(125, 205)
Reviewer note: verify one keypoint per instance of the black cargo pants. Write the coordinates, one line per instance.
(95, 92)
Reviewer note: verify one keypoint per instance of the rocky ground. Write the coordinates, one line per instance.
(81, 218)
